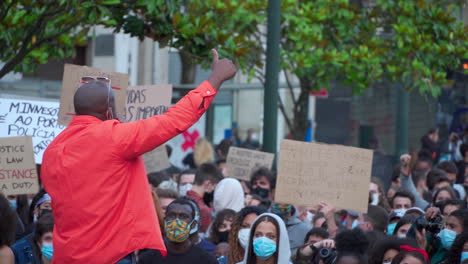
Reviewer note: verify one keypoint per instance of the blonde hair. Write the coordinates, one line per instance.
(203, 152)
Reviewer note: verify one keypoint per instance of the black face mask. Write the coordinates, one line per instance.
(262, 192)
(223, 236)
(44, 212)
(208, 198)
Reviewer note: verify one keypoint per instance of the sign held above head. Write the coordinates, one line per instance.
(309, 173)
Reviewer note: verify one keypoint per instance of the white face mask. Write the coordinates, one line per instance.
(400, 212)
(401, 235)
(243, 237)
(386, 262)
(184, 188)
(375, 199)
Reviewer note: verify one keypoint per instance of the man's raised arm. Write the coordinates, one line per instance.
(137, 138)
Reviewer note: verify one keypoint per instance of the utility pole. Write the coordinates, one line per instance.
(270, 104)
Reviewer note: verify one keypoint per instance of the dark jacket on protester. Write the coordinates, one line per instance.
(24, 253)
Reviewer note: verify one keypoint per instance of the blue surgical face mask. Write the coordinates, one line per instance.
(447, 237)
(47, 250)
(13, 204)
(391, 228)
(464, 256)
(264, 247)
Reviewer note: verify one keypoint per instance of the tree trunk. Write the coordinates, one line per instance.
(189, 68)
(300, 111)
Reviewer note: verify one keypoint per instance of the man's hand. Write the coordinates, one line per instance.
(405, 164)
(432, 212)
(222, 70)
(327, 243)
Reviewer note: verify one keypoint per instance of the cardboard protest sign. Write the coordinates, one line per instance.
(18, 173)
(72, 81)
(240, 162)
(144, 102)
(309, 173)
(35, 118)
(157, 159)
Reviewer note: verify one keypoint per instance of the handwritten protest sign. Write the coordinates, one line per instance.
(144, 102)
(72, 81)
(240, 162)
(147, 100)
(309, 173)
(18, 173)
(24, 117)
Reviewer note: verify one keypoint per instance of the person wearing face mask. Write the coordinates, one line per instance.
(240, 230)
(268, 241)
(377, 196)
(221, 226)
(37, 247)
(185, 181)
(263, 183)
(207, 177)
(458, 252)
(438, 245)
(403, 225)
(179, 221)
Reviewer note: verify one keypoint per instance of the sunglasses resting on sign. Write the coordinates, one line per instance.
(88, 79)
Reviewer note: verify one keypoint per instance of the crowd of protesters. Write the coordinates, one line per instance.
(208, 217)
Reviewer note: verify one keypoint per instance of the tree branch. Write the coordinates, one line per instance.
(290, 87)
(5, 12)
(283, 111)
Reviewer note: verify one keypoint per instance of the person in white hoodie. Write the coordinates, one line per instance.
(268, 241)
(228, 194)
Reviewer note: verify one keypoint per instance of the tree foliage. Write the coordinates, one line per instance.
(195, 27)
(33, 32)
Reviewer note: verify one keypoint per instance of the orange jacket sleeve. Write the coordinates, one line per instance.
(136, 138)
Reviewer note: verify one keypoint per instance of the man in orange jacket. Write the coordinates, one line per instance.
(94, 172)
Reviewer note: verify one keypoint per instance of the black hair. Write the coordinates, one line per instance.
(385, 244)
(318, 231)
(448, 167)
(404, 194)
(396, 174)
(353, 240)
(455, 202)
(455, 251)
(378, 216)
(403, 254)
(425, 155)
(448, 189)
(207, 172)
(220, 161)
(34, 201)
(406, 219)
(236, 254)
(8, 221)
(251, 257)
(218, 221)
(155, 178)
(435, 176)
(463, 149)
(462, 215)
(183, 201)
(360, 258)
(44, 224)
(189, 171)
(263, 171)
(222, 149)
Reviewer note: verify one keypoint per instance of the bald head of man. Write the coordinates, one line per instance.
(95, 99)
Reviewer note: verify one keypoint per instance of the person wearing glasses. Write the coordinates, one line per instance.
(93, 170)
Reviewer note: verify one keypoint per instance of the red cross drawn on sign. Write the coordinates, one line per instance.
(190, 139)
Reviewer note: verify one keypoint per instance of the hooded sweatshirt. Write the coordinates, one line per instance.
(284, 252)
(228, 194)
